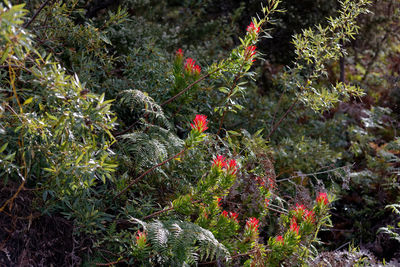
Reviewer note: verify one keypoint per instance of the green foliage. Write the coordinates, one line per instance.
(315, 49)
(180, 243)
(95, 118)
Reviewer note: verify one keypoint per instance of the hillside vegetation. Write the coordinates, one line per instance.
(199, 133)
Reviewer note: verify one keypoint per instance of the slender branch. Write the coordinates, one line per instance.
(157, 213)
(9, 201)
(237, 77)
(313, 174)
(36, 14)
(189, 86)
(281, 119)
(126, 130)
(162, 211)
(148, 171)
(341, 64)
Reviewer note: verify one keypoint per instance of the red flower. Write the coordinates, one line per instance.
(234, 216)
(322, 198)
(197, 69)
(309, 216)
(191, 67)
(189, 64)
(179, 53)
(293, 226)
(225, 213)
(299, 210)
(219, 162)
(279, 239)
(250, 52)
(267, 202)
(231, 167)
(252, 28)
(219, 201)
(200, 123)
(141, 236)
(252, 224)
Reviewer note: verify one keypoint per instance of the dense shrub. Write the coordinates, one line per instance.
(149, 133)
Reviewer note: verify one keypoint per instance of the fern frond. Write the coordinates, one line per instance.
(179, 243)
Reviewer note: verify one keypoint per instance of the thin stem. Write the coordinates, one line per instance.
(187, 88)
(162, 211)
(36, 14)
(282, 118)
(313, 174)
(148, 171)
(237, 77)
(157, 213)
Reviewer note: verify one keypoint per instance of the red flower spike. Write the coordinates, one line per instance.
(300, 209)
(225, 213)
(322, 198)
(252, 223)
(267, 202)
(197, 69)
(250, 52)
(219, 201)
(279, 239)
(219, 162)
(141, 236)
(293, 226)
(179, 53)
(234, 216)
(231, 167)
(191, 67)
(200, 123)
(309, 216)
(252, 28)
(189, 64)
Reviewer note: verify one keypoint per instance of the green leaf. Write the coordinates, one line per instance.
(29, 100)
(3, 147)
(5, 54)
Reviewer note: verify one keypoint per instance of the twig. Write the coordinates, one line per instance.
(312, 174)
(281, 119)
(162, 211)
(126, 130)
(148, 171)
(342, 246)
(278, 211)
(36, 14)
(229, 95)
(13, 197)
(157, 213)
(187, 88)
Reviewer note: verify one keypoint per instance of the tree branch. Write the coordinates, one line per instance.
(281, 119)
(37, 13)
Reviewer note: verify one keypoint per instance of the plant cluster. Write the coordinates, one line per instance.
(164, 152)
